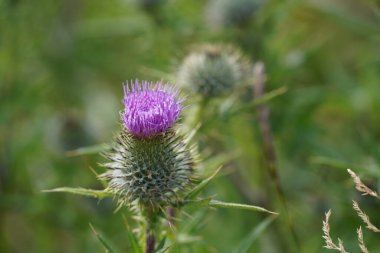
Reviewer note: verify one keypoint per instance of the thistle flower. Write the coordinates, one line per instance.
(149, 162)
(150, 109)
(213, 70)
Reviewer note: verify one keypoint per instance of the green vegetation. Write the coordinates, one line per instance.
(62, 64)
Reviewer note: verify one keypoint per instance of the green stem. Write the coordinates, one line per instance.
(200, 113)
(269, 150)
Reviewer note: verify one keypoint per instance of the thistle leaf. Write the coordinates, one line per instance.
(89, 150)
(195, 202)
(247, 242)
(217, 203)
(270, 95)
(191, 135)
(82, 191)
(261, 100)
(334, 163)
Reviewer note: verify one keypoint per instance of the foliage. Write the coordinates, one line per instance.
(61, 68)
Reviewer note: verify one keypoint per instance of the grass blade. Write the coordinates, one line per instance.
(133, 241)
(135, 247)
(103, 241)
(247, 243)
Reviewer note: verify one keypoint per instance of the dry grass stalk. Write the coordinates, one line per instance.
(329, 242)
(364, 217)
(365, 190)
(362, 246)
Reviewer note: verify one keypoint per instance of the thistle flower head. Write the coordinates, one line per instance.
(149, 163)
(213, 70)
(150, 109)
(223, 13)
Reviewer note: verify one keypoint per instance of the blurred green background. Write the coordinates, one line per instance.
(62, 63)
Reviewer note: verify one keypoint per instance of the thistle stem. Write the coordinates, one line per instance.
(270, 153)
(150, 241)
(200, 115)
(151, 216)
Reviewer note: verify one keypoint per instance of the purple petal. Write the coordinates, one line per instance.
(150, 109)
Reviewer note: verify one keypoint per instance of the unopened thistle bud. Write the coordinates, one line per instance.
(149, 162)
(222, 13)
(150, 4)
(213, 70)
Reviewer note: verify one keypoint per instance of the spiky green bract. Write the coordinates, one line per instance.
(213, 70)
(149, 172)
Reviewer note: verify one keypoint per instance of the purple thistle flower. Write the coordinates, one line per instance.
(150, 109)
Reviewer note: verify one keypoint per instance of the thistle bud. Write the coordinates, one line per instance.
(213, 70)
(222, 13)
(150, 4)
(149, 162)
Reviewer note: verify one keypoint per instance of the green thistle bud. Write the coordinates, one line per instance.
(222, 13)
(150, 163)
(213, 70)
(150, 4)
